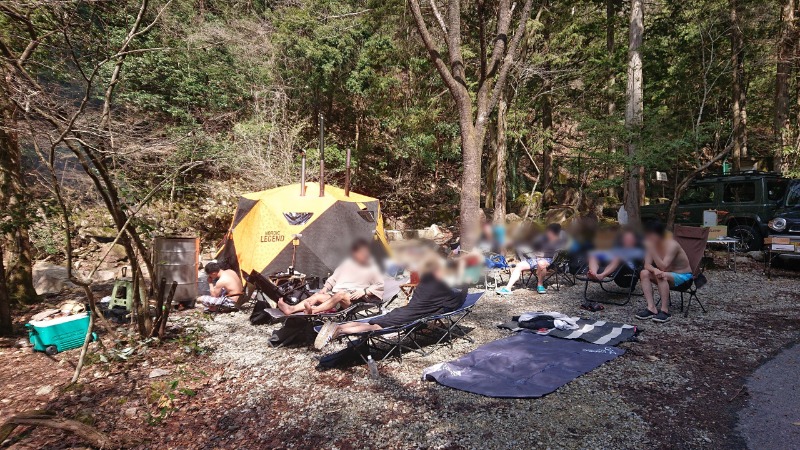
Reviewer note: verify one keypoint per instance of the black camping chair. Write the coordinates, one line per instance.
(557, 270)
(624, 277)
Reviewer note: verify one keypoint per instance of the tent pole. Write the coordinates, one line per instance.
(347, 175)
(321, 156)
(303, 173)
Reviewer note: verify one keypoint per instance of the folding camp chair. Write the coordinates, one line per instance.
(406, 338)
(693, 240)
(625, 277)
(558, 269)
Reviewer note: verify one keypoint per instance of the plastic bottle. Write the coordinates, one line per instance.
(373, 368)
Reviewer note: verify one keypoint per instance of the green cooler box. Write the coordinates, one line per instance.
(58, 335)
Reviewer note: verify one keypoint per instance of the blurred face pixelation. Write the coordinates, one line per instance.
(628, 240)
(361, 255)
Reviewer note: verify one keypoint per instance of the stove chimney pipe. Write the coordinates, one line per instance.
(347, 175)
(303, 173)
(321, 156)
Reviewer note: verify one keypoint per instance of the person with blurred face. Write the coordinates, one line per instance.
(432, 296)
(627, 250)
(224, 286)
(665, 265)
(357, 279)
(545, 248)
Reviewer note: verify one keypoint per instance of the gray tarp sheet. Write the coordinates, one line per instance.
(525, 365)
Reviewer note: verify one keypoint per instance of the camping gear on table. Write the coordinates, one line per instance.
(284, 227)
(177, 259)
(60, 334)
(693, 240)
(526, 365)
(394, 341)
(589, 330)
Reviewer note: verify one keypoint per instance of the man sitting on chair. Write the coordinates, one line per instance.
(626, 250)
(432, 296)
(357, 279)
(665, 264)
(545, 248)
(224, 286)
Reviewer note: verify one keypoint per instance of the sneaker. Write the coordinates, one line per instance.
(541, 289)
(645, 314)
(503, 291)
(662, 317)
(324, 336)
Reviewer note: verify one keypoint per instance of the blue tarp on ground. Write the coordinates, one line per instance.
(525, 365)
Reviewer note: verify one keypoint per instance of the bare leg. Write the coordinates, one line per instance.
(594, 266)
(609, 268)
(517, 272)
(332, 302)
(663, 290)
(647, 288)
(291, 309)
(541, 271)
(354, 327)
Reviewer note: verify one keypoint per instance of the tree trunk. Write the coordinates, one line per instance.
(786, 45)
(6, 325)
(547, 109)
(19, 273)
(738, 95)
(611, 106)
(471, 148)
(634, 112)
(499, 214)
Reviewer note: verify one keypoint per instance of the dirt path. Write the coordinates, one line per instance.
(771, 418)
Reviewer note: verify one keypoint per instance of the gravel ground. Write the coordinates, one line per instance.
(678, 387)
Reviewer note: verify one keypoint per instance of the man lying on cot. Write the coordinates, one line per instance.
(432, 296)
(627, 250)
(665, 264)
(545, 247)
(225, 287)
(357, 279)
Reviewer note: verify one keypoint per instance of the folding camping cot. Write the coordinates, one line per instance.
(406, 338)
(300, 324)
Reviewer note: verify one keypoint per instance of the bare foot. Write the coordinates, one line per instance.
(592, 275)
(602, 276)
(286, 309)
(308, 308)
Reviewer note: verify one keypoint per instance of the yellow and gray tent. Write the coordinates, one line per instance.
(265, 223)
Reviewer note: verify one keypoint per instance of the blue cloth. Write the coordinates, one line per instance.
(680, 278)
(525, 365)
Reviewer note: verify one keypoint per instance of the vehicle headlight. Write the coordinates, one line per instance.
(777, 224)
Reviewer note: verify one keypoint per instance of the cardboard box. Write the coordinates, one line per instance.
(777, 240)
(717, 231)
(784, 247)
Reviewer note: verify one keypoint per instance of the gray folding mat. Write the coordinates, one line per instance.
(526, 365)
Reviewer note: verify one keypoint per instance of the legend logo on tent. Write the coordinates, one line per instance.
(272, 236)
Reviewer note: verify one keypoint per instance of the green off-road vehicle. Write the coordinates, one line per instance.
(745, 202)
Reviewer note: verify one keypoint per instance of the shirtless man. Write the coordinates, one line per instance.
(225, 287)
(666, 264)
(357, 279)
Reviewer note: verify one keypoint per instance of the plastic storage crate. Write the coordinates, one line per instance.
(58, 335)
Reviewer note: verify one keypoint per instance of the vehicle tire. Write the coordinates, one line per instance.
(51, 350)
(749, 237)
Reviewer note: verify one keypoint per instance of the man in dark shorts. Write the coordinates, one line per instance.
(432, 296)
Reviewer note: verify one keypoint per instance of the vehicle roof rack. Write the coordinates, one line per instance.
(741, 173)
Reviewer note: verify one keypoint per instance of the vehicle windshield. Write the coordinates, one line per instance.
(793, 195)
